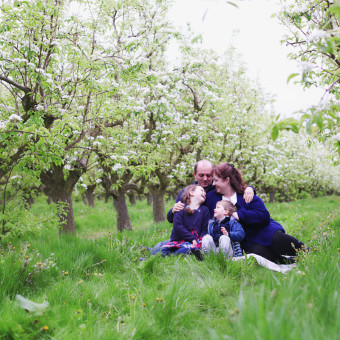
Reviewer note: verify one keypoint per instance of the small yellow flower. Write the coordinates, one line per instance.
(80, 282)
(143, 305)
(133, 297)
(79, 311)
(28, 245)
(45, 328)
(66, 273)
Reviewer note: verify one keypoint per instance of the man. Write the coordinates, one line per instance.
(203, 173)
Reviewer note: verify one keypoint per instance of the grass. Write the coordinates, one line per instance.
(99, 289)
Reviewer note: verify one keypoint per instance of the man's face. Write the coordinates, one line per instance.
(204, 175)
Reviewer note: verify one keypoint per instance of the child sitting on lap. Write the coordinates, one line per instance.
(224, 232)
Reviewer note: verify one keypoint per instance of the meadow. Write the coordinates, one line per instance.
(98, 286)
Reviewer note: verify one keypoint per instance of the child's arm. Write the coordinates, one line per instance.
(236, 231)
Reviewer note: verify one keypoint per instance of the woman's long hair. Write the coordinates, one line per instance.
(186, 197)
(226, 170)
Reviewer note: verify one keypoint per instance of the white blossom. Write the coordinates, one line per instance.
(40, 107)
(67, 167)
(98, 180)
(2, 125)
(15, 117)
(97, 143)
(14, 177)
(116, 167)
(317, 35)
(305, 66)
(84, 185)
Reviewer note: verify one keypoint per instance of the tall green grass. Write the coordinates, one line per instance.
(98, 288)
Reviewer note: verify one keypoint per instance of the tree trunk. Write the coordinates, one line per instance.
(123, 218)
(158, 206)
(66, 216)
(132, 197)
(149, 198)
(272, 197)
(90, 195)
(59, 190)
(83, 197)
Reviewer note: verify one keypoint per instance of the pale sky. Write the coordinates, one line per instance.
(258, 42)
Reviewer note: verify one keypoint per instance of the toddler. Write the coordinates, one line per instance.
(224, 232)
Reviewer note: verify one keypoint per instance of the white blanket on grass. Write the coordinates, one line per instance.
(281, 268)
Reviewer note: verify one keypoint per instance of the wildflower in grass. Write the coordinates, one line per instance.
(133, 297)
(66, 273)
(143, 305)
(79, 311)
(45, 328)
(80, 282)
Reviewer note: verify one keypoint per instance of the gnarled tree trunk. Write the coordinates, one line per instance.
(59, 190)
(123, 218)
(158, 206)
(132, 197)
(90, 194)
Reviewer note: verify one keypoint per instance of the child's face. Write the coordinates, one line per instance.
(199, 194)
(219, 212)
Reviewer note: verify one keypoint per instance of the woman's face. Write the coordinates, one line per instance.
(199, 194)
(220, 184)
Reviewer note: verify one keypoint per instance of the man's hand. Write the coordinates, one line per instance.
(248, 194)
(177, 207)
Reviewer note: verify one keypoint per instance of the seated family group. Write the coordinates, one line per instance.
(219, 213)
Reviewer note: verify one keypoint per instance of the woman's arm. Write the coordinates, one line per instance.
(253, 214)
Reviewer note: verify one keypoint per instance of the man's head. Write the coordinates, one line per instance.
(203, 172)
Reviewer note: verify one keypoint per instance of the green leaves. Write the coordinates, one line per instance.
(290, 124)
(291, 76)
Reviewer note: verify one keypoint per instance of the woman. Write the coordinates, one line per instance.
(264, 236)
(190, 224)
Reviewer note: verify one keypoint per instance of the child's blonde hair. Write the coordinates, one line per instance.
(227, 205)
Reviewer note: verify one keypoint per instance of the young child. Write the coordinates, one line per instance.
(224, 232)
(189, 225)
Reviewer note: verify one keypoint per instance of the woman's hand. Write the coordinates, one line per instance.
(194, 243)
(224, 231)
(177, 207)
(235, 214)
(248, 194)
